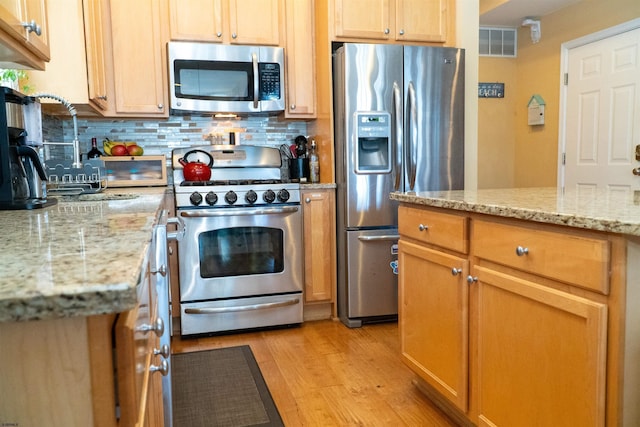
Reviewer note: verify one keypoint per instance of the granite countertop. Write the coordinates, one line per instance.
(597, 210)
(80, 257)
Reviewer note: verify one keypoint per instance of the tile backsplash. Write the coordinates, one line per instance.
(161, 136)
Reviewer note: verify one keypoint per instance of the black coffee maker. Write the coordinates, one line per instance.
(22, 175)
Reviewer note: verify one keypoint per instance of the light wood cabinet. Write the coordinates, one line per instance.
(95, 65)
(254, 22)
(433, 318)
(509, 322)
(300, 60)
(24, 35)
(389, 20)
(318, 211)
(77, 68)
(138, 37)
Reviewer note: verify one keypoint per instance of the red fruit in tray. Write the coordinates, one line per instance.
(119, 150)
(134, 150)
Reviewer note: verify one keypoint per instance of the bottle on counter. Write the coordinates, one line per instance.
(94, 152)
(314, 163)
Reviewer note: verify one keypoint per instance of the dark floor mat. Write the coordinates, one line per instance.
(221, 387)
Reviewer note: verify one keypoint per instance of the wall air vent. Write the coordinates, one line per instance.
(498, 41)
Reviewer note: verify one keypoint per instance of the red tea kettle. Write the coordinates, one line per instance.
(196, 170)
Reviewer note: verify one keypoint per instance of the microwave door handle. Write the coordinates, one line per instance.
(256, 88)
(397, 147)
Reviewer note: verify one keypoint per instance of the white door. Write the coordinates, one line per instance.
(601, 132)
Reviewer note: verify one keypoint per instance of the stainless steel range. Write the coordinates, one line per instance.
(240, 259)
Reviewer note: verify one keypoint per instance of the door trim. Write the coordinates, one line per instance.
(564, 68)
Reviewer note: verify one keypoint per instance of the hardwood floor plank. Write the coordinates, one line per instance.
(325, 374)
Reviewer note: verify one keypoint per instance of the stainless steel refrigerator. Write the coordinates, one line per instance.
(399, 126)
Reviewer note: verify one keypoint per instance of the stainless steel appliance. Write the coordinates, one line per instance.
(399, 126)
(240, 259)
(208, 77)
(22, 175)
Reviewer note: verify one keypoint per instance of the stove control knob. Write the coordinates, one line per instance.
(211, 198)
(269, 196)
(283, 195)
(195, 198)
(231, 197)
(251, 197)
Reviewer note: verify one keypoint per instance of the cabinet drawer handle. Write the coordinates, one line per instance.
(162, 270)
(422, 227)
(471, 279)
(386, 31)
(456, 271)
(162, 351)
(157, 327)
(520, 251)
(163, 368)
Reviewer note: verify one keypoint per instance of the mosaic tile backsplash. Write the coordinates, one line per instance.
(161, 136)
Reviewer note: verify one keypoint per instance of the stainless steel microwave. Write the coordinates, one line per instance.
(215, 78)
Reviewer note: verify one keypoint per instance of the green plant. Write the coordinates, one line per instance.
(20, 77)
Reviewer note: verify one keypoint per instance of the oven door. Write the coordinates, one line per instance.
(240, 252)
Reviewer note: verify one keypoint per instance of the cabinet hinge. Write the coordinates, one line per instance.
(566, 79)
(564, 158)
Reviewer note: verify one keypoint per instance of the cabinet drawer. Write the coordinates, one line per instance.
(442, 229)
(577, 260)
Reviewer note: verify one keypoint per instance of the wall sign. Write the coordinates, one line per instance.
(490, 90)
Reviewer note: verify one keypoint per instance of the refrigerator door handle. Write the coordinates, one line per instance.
(412, 129)
(397, 155)
(392, 237)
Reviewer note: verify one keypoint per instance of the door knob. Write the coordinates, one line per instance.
(636, 171)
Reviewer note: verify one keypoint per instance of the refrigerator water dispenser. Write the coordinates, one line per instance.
(373, 136)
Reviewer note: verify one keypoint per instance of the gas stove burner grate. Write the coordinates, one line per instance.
(229, 182)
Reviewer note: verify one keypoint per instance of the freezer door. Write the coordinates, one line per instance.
(433, 118)
(372, 268)
(366, 132)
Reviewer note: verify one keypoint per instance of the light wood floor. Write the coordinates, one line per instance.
(325, 374)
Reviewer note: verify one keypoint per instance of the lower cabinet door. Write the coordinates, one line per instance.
(541, 354)
(433, 319)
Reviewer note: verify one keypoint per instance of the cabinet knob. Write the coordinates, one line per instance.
(160, 106)
(162, 270)
(219, 34)
(456, 271)
(307, 200)
(162, 351)
(163, 368)
(386, 31)
(234, 36)
(423, 227)
(293, 106)
(157, 327)
(520, 251)
(401, 32)
(471, 279)
(32, 27)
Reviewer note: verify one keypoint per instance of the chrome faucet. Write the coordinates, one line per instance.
(72, 110)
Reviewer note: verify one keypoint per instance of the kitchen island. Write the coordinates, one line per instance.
(66, 272)
(522, 306)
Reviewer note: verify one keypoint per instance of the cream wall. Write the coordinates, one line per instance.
(496, 129)
(538, 72)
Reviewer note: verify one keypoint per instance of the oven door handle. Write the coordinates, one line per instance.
(379, 238)
(235, 212)
(251, 307)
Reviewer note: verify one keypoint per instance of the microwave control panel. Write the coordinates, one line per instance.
(269, 81)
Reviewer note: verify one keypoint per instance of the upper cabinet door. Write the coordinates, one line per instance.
(255, 21)
(227, 21)
(363, 19)
(428, 25)
(94, 14)
(197, 20)
(25, 25)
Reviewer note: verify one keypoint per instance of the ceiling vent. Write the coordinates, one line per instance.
(498, 41)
